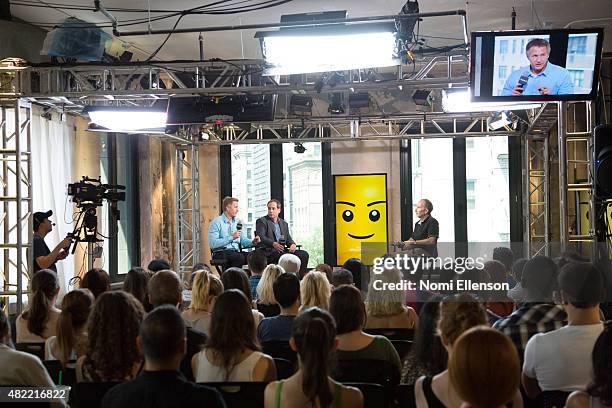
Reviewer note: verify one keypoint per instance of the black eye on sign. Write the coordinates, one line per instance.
(347, 215)
(374, 215)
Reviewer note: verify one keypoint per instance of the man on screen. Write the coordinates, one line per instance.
(540, 77)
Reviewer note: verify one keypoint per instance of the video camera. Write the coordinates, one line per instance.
(92, 191)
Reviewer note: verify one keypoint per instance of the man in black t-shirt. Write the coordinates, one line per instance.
(426, 230)
(43, 257)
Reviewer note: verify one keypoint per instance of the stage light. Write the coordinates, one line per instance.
(459, 101)
(324, 49)
(423, 97)
(499, 120)
(299, 148)
(359, 100)
(336, 104)
(300, 105)
(128, 119)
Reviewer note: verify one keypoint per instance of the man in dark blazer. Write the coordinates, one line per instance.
(275, 237)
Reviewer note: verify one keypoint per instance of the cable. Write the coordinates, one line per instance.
(165, 41)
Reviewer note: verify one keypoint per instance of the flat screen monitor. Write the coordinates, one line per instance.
(535, 65)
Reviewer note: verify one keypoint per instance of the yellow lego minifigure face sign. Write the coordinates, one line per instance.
(361, 213)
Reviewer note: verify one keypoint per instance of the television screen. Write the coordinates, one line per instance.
(537, 65)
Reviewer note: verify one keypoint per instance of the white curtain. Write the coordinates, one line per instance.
(52, 152)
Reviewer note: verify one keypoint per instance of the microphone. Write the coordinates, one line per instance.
(238, 228)
(523, 80)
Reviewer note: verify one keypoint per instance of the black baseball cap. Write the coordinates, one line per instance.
(40, 217)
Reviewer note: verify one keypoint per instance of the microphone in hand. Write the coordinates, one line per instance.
(520, 87)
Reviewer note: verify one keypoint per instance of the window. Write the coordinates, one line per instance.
(577, 45)
(432, 178)
(251, 182)
(303, 198)
(469, 143)
(503, 46)
(503, 72)
(514, 46)
(577, 77)
(487, 190)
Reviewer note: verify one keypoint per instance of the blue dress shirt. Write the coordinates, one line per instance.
(220, 233)
(557, 79)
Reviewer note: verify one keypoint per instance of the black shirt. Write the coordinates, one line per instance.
(424, 230)
(41, 249)
(195, 341)
(161, 389)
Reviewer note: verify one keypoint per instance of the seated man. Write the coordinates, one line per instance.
(560, 360)
(225, 235)
(163, 342)
(274, 234)
(287, 294)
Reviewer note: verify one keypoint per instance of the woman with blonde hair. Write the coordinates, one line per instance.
(204, 292)
(485, 370)
(385, 307)
(39, 321)
(315, 290)
(266, 302)
(69, 344)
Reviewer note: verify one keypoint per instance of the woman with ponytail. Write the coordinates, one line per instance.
(39, 321)
(314, 339)
(204, 291)
(69, 344)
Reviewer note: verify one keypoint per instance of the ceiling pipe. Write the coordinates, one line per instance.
(100, 8)
(394, 17)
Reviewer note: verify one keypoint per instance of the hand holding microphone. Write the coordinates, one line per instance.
(238, 231)
(520, 87)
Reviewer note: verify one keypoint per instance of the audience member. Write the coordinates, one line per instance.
(484, 369)
(427, 356)
(158, 264)
(70, 342)
(135, 283)
(165, 289)
(341, 276)
(315, 290)
(231, 352)
(559, 359)
(497, 300)
(598, 393)
(266, 302)
(206, 289)
(327, 270)
(538, 314)
(257, 262)
(457, 314)
(287, 294)
(112, 328)
(314, 339)
(290, 263)
(39, 321)
(236, 278)
(19, 368)
(97, 281)
(348, 310)
(505, 256)
(163, 342)
(356, 267)
(385, 307)
(517, 294)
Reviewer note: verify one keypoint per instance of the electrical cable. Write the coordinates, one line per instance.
(154, 53)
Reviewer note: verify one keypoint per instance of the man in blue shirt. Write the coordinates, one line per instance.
(540, 77)
(225, 239)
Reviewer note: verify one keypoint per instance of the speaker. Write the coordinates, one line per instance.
(602, 135)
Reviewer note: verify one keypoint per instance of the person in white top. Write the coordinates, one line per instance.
(70, 342)
(205, 290)
(559, 360)
(231, 353)
(39, 321)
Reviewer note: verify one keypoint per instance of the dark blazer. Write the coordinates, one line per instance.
(264, 228)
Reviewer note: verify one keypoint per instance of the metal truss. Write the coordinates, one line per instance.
(187, 181)
(15, 198)
(536, 190)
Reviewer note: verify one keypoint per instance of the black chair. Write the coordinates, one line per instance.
(367, 371)
(89, 394)
(59, 375)
(552, 399)
(402, 347)
(37, 349)
(374, 395)
(392, 334)
(220, 263)
(12, 318)
(404, 396)
(279, 349)
(284, 368)
(241, 394)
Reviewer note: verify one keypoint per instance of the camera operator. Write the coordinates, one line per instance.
(43, 257)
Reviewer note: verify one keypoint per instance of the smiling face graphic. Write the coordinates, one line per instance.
(361, 213)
